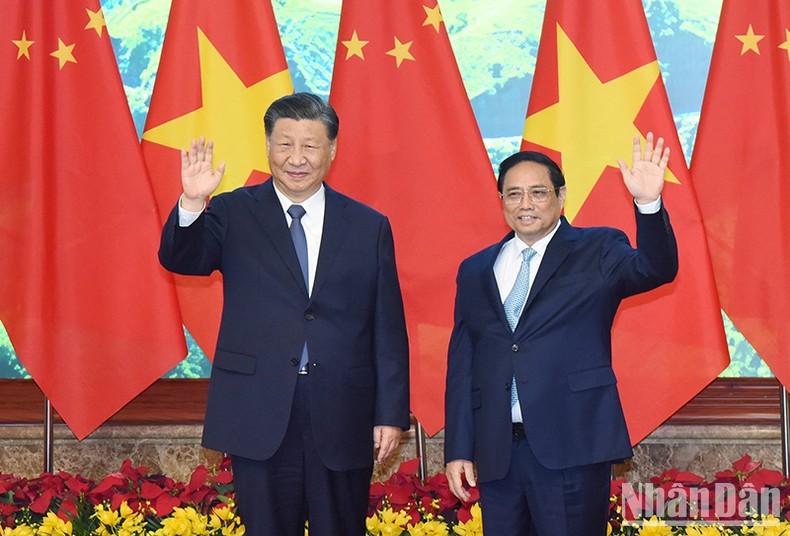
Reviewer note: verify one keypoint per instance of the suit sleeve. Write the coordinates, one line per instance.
(391, 341)
(459, 427)
(653, 263)
(196, 249)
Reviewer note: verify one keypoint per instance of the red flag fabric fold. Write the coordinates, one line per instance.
(410, 147)
(740, 161)
(91, 314)
(222, 66)
(596, 85)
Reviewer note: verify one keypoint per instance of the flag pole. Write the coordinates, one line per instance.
(48, 436)
(420, 440)
(785, 432)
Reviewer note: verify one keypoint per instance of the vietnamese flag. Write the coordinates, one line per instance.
(410, 147)
(740, 166)
(597, 84)
(91, 314)
(222, 66)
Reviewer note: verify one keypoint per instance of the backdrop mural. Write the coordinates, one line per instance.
(495, 49)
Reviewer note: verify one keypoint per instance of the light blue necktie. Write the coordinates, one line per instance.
(300, 245)
(515, 302)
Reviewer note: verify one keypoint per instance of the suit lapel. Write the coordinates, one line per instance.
(559, 247)
(489, 280)
(269, 213)
(336, 226)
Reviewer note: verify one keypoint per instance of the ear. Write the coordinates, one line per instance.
(563, 191)
(333, 149)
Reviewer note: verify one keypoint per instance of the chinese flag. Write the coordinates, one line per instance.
(410, 147)
(89, 311)
(222, 66)
(740, 166)
(597, 84)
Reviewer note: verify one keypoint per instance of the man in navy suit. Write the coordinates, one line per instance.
(311, 368)
(531, 399)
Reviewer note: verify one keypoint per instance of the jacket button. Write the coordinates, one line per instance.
(294, 361)
(507, 386)
(310, 316)
(514, 347)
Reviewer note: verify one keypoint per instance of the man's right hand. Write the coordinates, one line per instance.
(455, 471)
(198, 179)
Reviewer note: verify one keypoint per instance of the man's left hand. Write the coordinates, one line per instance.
(645, 179)
(386, 439)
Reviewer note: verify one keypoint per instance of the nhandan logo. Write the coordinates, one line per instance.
(721, 504)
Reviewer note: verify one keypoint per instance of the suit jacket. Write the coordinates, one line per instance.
(353, 324)
(560, 352)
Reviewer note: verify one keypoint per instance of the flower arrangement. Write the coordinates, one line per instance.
(745, 500)
(128, 503)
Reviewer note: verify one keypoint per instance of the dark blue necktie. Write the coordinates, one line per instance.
(300, 245)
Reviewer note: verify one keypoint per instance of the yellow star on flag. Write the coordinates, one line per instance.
(749, 41)
(592, 125)
(786, 44)
(354, 46)
(231, 115)
(401, 52)
(64, 53)
(434, 17)
(96, 21)
(23, 45)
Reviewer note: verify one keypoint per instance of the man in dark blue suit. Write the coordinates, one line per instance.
(311, 369)
(531, 397)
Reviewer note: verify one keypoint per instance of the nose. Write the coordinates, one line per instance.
(297, 156)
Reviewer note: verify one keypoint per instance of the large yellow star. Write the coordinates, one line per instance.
(401, 52)
(786, 44)
(433, 17)
(64, 53)
(96, 21)
(231, 115)
(592, 125)
(23, 45)
(354, 46)
(749, 41)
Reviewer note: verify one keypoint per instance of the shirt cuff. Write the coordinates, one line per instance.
(649, 208)
(187, 217)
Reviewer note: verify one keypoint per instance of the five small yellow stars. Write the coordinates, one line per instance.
(96, 21)
(64, 53)
(749, 40)
(24, 46)
(401, 52)
(354, 46)
(434, 17)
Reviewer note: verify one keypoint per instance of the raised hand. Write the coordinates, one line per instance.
(645, 178)
(198, 178)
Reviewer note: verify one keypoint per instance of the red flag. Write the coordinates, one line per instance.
(91, 314)
(597, 84)
(740, 165)
(410, 147)
(222, 66)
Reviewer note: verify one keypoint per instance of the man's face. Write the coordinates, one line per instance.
(531, 220)
(300, 154)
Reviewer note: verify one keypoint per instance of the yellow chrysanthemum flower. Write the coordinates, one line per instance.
(473, 527)
(19, 530)
(430, 527)
(770, 526)
(52, 525)
(708, 530)
(654, 527)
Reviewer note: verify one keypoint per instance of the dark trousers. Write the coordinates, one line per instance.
(532, 500)
(277, 495)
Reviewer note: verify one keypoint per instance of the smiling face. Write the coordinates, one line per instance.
(530, 220)
(300, 154)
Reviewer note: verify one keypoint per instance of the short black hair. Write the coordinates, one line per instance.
(301, 106)
(555, 173)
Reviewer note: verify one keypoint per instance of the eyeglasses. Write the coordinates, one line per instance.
(536, 195)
